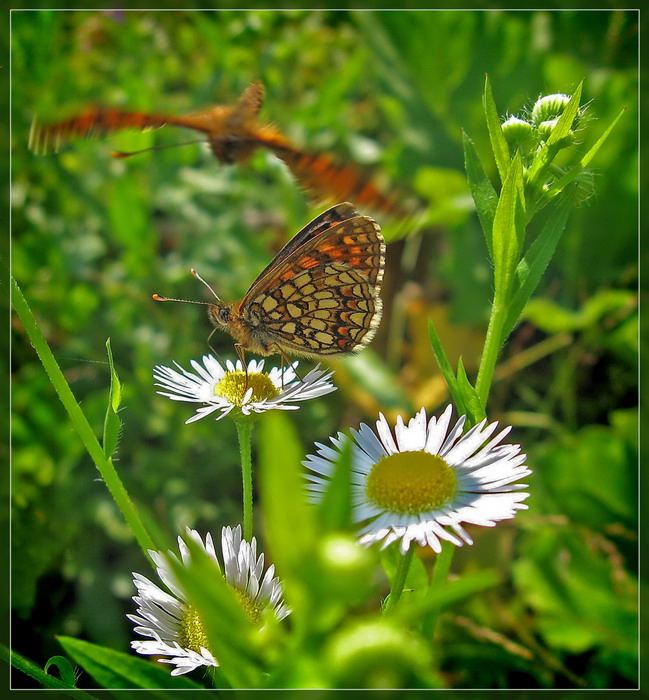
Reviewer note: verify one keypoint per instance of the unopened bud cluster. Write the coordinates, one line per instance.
(537, 126)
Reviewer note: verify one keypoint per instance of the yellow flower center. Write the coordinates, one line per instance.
(192, 631)
(249, 606)
(234, 385)
(411, 482)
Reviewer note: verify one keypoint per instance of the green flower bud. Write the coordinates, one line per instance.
(377, 654)
(549, 108)
(516, 131)
(545, 128)
(344, 568)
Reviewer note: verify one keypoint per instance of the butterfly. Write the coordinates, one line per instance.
(233, 133)
(318, 297)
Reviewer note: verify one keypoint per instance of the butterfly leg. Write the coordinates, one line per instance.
(285, 359)
(241, 352)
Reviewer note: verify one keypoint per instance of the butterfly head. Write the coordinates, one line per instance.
(220, 314)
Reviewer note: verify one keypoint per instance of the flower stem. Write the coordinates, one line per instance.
(399, 579)
(244, 433)
(80, 422)
(493, 343)
(440, 578)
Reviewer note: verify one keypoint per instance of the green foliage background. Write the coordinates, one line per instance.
(94, 237)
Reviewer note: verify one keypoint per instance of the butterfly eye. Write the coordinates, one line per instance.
(224, 315)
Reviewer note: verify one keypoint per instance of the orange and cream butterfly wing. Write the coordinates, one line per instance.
(322, 298)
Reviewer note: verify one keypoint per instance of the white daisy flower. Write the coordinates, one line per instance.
(233, 388)
(174, 624)
(426, 480)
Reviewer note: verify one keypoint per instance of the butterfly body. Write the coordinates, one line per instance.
(319, 296)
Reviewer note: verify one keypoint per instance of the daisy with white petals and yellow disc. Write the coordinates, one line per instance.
(424, 482)
(173, 624)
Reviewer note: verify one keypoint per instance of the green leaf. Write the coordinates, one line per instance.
(567, 118)
(112, 422)
(553, 318)
(575, 171)
(484, 195)
(65, 669)
(470, 399)
(508, 229)
(496, 136)
(289, 519)
(417, 579)
(116, 670)
(335, 510)
(584, 162)
(534, 263)
(581, 599)
(33, 670)
(412, 610)
(445, 368)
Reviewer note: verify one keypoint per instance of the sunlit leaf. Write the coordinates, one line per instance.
(116, 670)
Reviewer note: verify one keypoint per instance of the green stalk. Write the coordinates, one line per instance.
(440, 579)
(493, 343)
(244, 433)
(80, 422)
(399, 580)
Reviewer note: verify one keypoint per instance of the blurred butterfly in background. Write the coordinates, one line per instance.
(233, 134)
(318, 297)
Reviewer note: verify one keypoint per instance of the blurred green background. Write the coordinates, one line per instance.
(94, 237)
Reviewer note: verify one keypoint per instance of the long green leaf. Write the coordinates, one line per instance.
(567, 118)
(600, 141)
(498, 142)
(508, 229)
(289, 519)
(532, 266)
(484, 195)
(451, 594)
(445, 367)
(115, 670)
(79, 421)
(575, 171)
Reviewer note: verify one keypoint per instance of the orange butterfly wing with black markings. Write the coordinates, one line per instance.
(320, 296)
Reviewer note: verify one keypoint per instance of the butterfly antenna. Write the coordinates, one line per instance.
(127, 154)
(198, 277)
(159, 297)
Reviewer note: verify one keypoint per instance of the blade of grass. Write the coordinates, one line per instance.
(79, 421)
